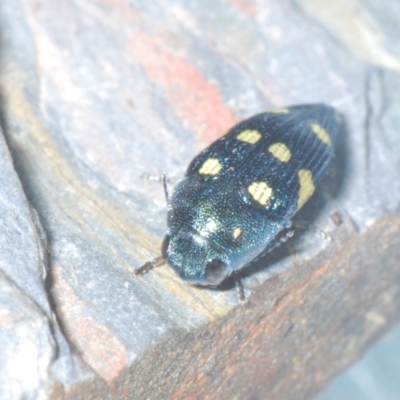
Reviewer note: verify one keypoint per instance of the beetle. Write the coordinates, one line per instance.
(240, 192)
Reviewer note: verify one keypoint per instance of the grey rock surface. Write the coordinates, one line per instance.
(35, 357)
(27, 345)
(95, 94)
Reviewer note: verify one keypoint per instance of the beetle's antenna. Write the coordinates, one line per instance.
(156, 262)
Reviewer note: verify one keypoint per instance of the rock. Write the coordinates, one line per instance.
(94, 95)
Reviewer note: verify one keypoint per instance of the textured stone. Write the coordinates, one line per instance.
(35, 357)
(95, 94)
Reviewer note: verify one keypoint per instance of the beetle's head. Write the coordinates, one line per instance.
(196, 258)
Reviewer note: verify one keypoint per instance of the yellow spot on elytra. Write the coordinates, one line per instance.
(210, 167)
(279, 111)
(249, 136)
(236, 233)
(261, 192)
(306, 187)
(280, 151)
(321, 133)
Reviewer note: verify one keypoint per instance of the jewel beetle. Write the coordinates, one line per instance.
(240, 192)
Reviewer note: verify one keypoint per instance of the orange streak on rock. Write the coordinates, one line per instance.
(321, 271)
(195, 100)
(247, 7)
(98, 347)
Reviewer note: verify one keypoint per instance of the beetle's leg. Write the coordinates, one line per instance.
(164, 182)
(161, 178)
(299, 224)
(240, 289)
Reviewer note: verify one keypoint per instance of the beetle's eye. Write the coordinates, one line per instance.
(164, 247)
(216, 272)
